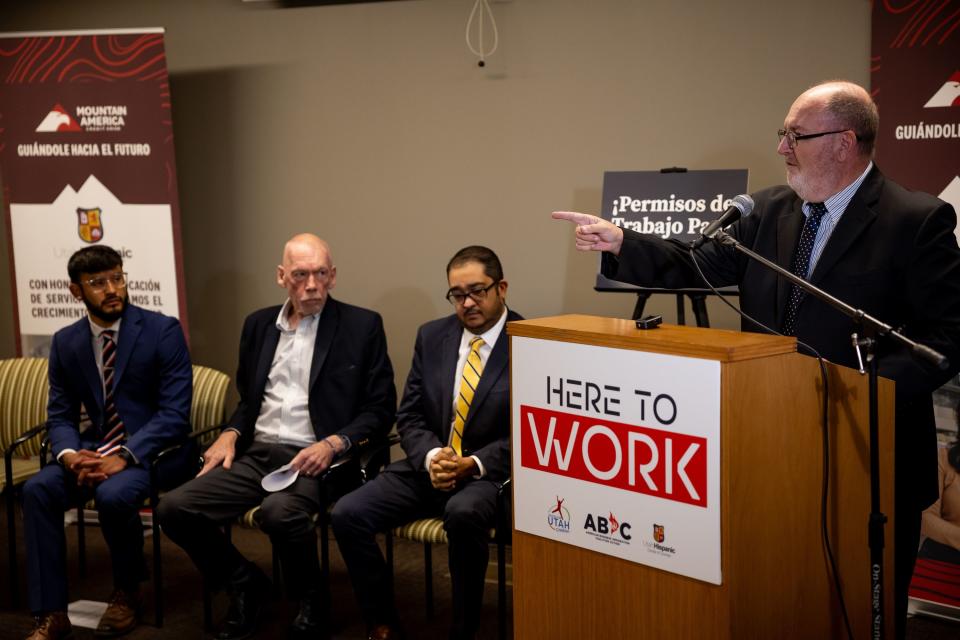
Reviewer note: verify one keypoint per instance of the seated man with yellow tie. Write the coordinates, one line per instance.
(454, 426)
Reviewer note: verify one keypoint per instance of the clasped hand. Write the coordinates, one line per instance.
(90, 468)
(447, 468)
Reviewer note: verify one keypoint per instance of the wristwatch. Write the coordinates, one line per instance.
(127, 457)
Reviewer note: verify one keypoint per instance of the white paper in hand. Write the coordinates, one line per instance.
(279, 479)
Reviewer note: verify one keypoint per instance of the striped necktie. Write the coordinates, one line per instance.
(801, 264)
(113, 432)
(472, 369)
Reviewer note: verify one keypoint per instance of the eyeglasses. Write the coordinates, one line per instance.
(793, 138)
(302, 275)
(479, 294)
(119, 280)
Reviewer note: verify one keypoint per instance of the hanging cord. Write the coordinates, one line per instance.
(474, 13)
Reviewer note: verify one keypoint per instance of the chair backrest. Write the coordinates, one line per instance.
(209, 400)
(23, 401)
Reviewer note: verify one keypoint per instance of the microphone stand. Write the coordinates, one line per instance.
(868, 332)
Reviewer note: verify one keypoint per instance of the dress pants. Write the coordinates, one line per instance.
(46, 497)
(394, 498)
(193, 515)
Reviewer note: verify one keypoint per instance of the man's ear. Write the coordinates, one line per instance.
(76, 291)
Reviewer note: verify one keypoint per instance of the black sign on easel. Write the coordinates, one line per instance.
(672, 203)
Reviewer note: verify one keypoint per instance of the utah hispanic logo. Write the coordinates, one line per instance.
(90, 225)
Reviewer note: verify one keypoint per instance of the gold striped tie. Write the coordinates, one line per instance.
(468, 386)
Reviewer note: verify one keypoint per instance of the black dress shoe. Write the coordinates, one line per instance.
(309, 622)
(247, 596)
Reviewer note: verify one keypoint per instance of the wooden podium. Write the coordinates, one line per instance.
(775, 577)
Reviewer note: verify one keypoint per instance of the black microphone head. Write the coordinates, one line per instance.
(744, 203)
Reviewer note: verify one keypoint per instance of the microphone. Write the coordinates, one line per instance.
(741, 206)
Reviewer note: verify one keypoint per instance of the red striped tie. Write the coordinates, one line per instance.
(112, 424)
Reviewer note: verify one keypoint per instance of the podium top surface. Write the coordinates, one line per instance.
(694, 342)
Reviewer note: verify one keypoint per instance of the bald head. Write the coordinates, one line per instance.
(850, 107)
(307, 273)
(305, 242)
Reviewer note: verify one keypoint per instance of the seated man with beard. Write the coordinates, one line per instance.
(130, 369)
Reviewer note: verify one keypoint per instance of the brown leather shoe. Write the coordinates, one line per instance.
(384, 632)
(121, 616)
(52, 626)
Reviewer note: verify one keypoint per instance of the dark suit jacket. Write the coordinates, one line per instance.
(351, 379)
(426, 410)
(153, 384)
(893, 254)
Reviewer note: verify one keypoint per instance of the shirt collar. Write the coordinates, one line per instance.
(96, 329)
(837, 203)
(283, 319)
(491, 335)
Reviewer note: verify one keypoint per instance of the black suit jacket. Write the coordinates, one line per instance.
(893, 254)
(426, 410)
(351, 379)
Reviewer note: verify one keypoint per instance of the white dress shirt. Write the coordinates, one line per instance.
(285, 411)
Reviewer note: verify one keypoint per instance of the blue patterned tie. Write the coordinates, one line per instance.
(800, 265)
(113, 431)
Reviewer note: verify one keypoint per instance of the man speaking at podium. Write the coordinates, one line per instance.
(849, 230)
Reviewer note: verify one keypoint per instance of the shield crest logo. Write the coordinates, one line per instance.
(658, 532)
(89, 225)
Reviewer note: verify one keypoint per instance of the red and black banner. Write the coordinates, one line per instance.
(87, 157)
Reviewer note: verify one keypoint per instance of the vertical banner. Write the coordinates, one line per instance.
(915, 76)
(87, 157)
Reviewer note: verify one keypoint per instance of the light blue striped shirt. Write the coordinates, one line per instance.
(836, 205)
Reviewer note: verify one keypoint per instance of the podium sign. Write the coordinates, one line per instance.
(618, 452)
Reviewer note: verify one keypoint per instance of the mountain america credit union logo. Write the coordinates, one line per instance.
(58, 120)
(947, 95)
(90, 118)
(558, 517)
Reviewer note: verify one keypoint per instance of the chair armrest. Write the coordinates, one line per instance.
(504, 495)
(9, 451)
(44, 450)
(377, 456)
(23, 437)
(196, 435)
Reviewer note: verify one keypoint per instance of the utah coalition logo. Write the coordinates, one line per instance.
(558, 517)
(948, 95)
(90, 118)
(89, 225)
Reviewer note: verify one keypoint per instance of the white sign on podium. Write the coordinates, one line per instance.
(618, 451)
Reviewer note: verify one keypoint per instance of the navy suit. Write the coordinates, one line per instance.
(351, 393)
(894, 255)
(153, 387)
(404, 492)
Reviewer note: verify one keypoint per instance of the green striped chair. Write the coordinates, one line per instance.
(23, 410)
(430, 532)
